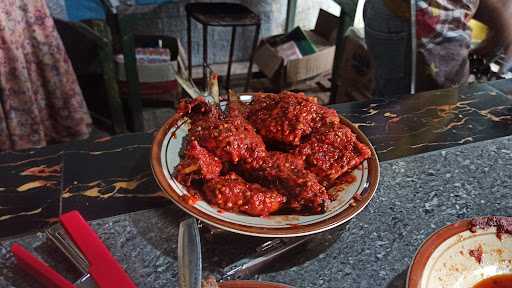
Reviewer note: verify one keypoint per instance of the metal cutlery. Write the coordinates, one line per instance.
(189, 228)
(265, 253)
(189, 255)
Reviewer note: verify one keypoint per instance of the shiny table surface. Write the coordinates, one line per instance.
(112, 176)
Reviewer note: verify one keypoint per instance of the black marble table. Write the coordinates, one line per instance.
(112, 176)
(416, 196)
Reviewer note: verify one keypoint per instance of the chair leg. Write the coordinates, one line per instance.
(134, 103)
(254, 43)
(231, 50)
(348, 14)
(189, 46)
(106, 58)
(291, 11)
(205, 56)
(112, 91)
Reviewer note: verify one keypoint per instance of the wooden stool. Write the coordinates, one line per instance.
(224, 15)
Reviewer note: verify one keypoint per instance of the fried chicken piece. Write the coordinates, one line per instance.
(322, 151)
(284, 119)
(198, 164)
(236, 108)
(262, 101)
(198, 110)
(232, 193)
(286, 172)
(332, 152)
(230, 138)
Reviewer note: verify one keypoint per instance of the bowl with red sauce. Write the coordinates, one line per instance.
(253, 191)
(471, 253)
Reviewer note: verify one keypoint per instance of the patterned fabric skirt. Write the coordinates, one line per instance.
(40, 100)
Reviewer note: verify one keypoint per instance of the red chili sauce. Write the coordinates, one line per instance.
(498, 281)
(231, 158)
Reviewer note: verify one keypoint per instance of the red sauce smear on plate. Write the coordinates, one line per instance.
(477, 254)
(503, 225)
(348, 179)
(498, 281)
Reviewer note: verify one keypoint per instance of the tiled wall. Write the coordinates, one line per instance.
(170, 20)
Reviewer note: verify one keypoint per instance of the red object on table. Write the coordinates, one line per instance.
(103, 268)
(37, 268)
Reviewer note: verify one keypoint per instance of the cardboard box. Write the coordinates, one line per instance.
(156, 69)
(285, 75)
(356, 68)
(153, 65)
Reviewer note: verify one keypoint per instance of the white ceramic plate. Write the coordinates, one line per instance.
(165, 157)
(445, 261)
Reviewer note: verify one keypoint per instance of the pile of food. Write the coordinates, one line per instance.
(279, 154)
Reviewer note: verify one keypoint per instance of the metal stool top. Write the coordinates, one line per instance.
(222, 14)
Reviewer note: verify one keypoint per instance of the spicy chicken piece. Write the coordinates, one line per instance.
(332, 152)
(198, 164)
(198, 110)
(230, 138)
(232, 193)
(286, 172)
(286, 118)
(262, 101)
(236, 108)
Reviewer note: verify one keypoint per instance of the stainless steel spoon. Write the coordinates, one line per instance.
(189, 255)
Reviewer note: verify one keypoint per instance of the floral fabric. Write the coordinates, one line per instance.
(40, 100)
(444, 40)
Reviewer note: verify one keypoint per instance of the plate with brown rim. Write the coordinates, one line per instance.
(165, 156)
(457, 257)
